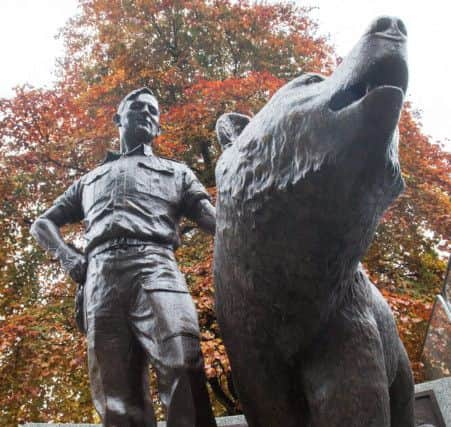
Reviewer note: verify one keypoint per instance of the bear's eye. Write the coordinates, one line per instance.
(313, 79)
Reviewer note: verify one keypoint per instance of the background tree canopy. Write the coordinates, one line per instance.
(202, 58)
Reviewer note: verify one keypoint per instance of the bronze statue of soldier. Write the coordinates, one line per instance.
(137, 309)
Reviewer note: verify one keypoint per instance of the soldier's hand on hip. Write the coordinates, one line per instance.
(74, 263)
(78, 272)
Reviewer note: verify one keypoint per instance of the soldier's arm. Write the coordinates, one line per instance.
(196, 202)
(204, 214)
(67, 209)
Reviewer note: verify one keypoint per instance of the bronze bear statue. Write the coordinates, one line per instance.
(301, 189)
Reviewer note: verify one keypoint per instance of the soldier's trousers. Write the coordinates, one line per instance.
(138, 311)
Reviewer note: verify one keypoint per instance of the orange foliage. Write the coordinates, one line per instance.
(412, 317)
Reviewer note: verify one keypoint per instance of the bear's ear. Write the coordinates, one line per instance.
(229, 126)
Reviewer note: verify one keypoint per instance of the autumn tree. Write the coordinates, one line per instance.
(405, 253)
(117, 45)
(407, 258)
(41, 358)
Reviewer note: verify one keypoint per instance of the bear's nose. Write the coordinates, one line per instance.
(388, 26)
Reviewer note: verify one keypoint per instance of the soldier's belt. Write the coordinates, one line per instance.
(124, 243)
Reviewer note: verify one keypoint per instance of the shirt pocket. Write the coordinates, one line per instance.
(97, 188)
(157, 181)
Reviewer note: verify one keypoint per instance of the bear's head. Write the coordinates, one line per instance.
(318, 165)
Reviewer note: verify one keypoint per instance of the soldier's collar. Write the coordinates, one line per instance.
(140, 150)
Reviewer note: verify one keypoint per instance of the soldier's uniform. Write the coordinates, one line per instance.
(137, 307)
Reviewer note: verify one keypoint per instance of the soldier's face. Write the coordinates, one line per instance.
(140, 119)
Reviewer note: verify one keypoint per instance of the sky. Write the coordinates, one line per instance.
(29, 48)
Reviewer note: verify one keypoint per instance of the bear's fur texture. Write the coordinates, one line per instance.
(300, 192)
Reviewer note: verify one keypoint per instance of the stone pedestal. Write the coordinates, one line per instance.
(442, 392)
(236, 421)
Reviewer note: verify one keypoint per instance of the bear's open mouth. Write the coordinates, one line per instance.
(388, 72)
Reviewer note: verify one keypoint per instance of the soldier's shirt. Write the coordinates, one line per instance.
(132, 195)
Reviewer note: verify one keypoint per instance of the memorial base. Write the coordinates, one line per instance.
(235, 421)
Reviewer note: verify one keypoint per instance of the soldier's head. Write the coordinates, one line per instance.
(138, 118)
